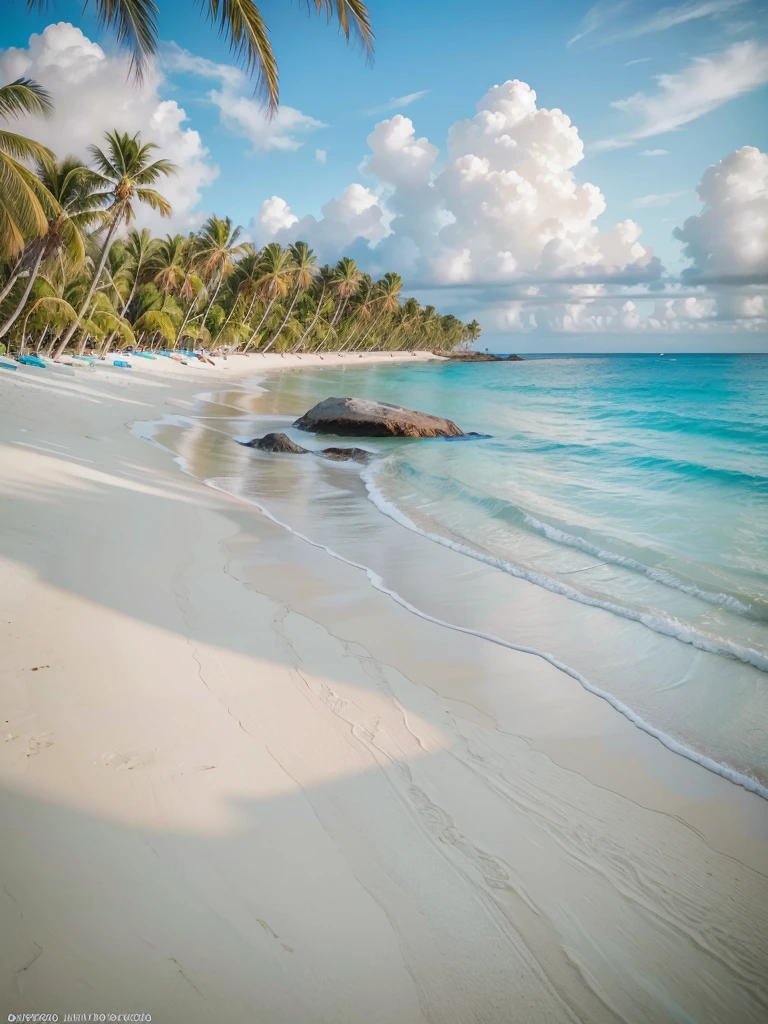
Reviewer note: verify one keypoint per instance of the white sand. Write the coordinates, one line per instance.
(238, 784)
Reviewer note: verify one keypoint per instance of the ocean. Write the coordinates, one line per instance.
(614, 522)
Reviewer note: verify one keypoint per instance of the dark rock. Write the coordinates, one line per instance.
(276, 443)
(283, 445)
(361, 417)
(480, 357)
(346, 454)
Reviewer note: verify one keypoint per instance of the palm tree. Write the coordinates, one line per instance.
(345, 281)
(304, 271)
(25, 205)
(275, 274)
(216, 250)
(325, 279)
(388, 299)
(240, 22)
(124, 175)
(140, 250)
(68, 182)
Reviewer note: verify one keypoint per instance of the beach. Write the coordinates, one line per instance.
(242, 780)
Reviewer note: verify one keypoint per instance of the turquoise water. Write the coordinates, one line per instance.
(615, 522)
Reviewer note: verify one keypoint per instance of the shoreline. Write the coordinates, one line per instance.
(268, 811)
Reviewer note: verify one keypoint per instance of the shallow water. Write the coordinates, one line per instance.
(614, 522)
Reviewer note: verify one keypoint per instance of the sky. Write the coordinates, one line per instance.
(574, 176)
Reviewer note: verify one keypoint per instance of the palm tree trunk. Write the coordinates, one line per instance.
(14, 277)
(279, 331)
(315, 318)
(22, 302)
(102, 262)
(258, 328)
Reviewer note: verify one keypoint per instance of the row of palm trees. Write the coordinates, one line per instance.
(74, 271)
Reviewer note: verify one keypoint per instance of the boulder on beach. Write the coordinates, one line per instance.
(283, 445)
(361, 417)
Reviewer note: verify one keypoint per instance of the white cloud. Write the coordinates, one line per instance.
(656, 199)
(655, 152)
(239, 112)
(597, 16)
(275, 216)
(706, 84)
(398, 101)
(660, 21)
(91, 97)
(730, 235)
(638, 60)
(321, 155)
(498, 227)
(355, 215)
(504, 204)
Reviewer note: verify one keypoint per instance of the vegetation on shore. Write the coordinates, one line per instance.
(75, 272)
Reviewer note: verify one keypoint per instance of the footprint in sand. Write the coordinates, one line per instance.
(37, 743)
(128, 762)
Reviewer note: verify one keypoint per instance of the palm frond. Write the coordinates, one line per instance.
(24, 96)
(241, 24)
(353, 18)
(154, 321)
(21, 148)
(154, 200)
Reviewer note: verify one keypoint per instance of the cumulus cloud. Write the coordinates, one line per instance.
(321, 155)
(239, 112)
(725, 287)
(353, 216)
(398, 101)
(90, 92)
(701, 87)
(730, 235)
(502, 205)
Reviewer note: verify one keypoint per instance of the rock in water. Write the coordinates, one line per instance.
(346, 454)
(282, 444)
(361, 417)
(276, 443)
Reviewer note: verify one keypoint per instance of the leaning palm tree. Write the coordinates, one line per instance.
(304, 271)
(69, 183)
(216, 251)
(240, 22)
(124, 175)
(388, 300)
(345, 281)
(276, 269)
(25, 204)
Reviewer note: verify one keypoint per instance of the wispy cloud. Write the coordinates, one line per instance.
(321, 155)
(238, 111)
(602, 13)
(665, 18)
(701, 87)
(655, 152)
(638, 60)
(398, 101)
(656, 199)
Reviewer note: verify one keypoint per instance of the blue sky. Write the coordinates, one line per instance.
(453, 53)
